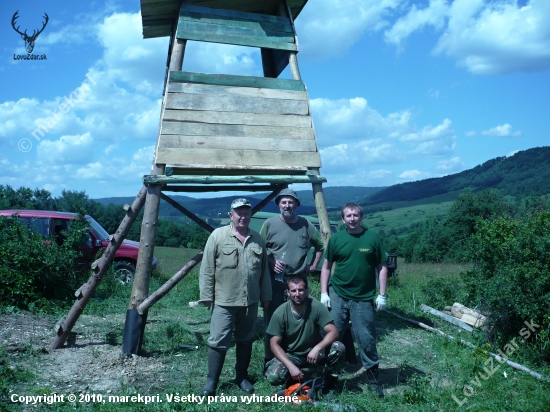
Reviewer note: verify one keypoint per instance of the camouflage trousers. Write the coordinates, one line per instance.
(332, 360)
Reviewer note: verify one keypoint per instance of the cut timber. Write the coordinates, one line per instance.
(205, 180)
(228, 131)
(448, 318)
(229, 142)
(235, 80)
(229, 103)
(237, 118)
(467, 315)
(229, 158)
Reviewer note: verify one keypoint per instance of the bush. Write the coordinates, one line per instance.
(37, 273)
(510, 278)
(440, 292)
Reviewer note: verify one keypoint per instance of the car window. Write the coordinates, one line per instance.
(95, 227)
(38, 225)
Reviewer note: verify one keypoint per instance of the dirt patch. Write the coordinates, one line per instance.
(91, 364)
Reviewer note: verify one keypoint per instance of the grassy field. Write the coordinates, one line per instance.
(420, 371)
(402, 217)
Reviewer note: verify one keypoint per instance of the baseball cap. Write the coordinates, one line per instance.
(241, 202)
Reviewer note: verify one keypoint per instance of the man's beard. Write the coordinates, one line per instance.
(287, 213)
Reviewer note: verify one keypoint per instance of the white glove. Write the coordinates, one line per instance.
(381, 302)
(325, 300)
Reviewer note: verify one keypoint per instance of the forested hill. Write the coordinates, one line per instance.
(526, 172)
(334, 198)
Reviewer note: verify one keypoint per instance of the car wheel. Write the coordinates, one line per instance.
(124, 272)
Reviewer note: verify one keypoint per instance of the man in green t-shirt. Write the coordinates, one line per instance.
(358, 253)
(288, 239)
(296, 340)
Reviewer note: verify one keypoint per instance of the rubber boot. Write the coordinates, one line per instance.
(216, 358)
(372, 381)
(244, 353)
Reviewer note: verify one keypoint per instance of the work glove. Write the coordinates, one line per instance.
(381, 302)
(325, 300)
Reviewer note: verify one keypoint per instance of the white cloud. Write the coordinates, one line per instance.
(513, 152)
(330, 27)
(222, 58)
(411, 175)
(450, 166)
(471, 133)
(353, 120)
(67, 150)
(416, 19)
(432, 141)
(485, 37)
(504, 130)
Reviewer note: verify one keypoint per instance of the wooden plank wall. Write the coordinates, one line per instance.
(236, 124)
(158, 16)
(235, 27)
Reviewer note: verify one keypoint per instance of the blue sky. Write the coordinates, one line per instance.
(400, 90)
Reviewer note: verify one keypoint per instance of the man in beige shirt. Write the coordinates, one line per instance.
(234, 279)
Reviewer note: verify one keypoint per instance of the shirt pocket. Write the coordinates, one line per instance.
(229, 258)
(255, 255)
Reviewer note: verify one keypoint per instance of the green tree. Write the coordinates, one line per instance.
(510, 278)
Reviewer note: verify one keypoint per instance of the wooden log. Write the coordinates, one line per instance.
(98, 273)
(187, 213)
(215, 188)
(236, 80)
(173, 281)
(206, 180)
(239, 118)
(448, 318)
(470, 345)
(144, 266)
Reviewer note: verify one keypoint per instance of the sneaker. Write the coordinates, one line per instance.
(372, 381)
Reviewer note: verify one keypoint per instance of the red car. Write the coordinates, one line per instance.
(50, 224)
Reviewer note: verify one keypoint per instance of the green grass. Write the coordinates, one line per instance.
(420, 371)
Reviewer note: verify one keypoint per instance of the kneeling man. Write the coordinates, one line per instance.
(296, 339)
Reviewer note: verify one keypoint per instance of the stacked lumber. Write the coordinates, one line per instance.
(467, 315)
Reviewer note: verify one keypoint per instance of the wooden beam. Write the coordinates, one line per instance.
(450, 319)
(235, 80)
(173, 281)
(236, 104)
(215, 188)
(206, 180)
(238, 131)
(229, 159)
(187, 213)
(248, 91)
(99, 271)
(238, 118)
(236, 143)
(268, 199)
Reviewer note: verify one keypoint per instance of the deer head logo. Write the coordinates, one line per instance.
(29, 40)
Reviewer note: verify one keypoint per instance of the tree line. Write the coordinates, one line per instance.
(187, 235)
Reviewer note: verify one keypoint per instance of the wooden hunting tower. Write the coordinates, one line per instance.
(228, 132)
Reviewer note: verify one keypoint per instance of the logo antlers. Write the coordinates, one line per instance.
(29, 40)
